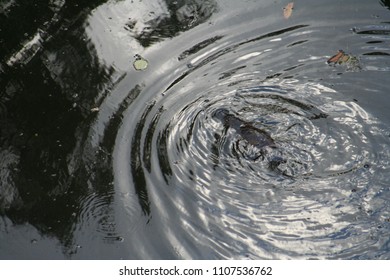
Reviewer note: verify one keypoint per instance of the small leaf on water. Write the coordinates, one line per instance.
(340, 57)
(287, 11)
(336, 57)
(352, 62)
(140, 63)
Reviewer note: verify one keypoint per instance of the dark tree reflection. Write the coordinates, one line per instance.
(385, 3)
(183, 15)
(50, 79)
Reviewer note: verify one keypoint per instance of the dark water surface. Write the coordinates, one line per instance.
(238, 140)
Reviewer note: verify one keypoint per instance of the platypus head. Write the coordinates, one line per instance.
(221, 114)
(228, 119)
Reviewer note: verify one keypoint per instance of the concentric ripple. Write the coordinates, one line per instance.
(291, 169)
(311, 141)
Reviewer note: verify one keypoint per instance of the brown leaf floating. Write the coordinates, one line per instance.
(287, 11)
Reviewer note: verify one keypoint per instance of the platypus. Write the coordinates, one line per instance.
(253, 135)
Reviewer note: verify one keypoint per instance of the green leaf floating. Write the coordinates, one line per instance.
(140, 63)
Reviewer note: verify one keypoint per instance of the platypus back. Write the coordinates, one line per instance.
(253, 135)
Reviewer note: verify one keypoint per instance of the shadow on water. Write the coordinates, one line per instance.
(98, 160)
